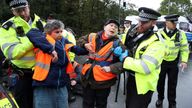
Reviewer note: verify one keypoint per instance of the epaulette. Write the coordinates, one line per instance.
(7, 25)
(39, 25)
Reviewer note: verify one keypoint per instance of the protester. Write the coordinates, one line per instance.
(96, 82)
(50, 75)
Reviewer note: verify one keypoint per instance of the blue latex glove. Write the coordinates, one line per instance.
(123, 55)
(118, 51)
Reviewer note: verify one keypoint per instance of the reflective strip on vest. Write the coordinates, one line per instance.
(104, 54)
(151, 59)
(97, 57)
(8, 44)
(44, 66)
(145, 67)
(184, 45)
(177, 44)
(185, 50)
(10, 49)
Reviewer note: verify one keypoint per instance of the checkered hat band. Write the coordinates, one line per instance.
(16, 3)
(143, 19)
(147, 15)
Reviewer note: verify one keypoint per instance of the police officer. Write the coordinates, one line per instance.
(176, 42)
(146, 52)
(19, 50)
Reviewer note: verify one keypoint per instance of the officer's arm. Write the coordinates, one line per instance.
(150, 60)
(14, 47)
(76, 49)
(117, 68)
(184, 49)
(82, 41)
(39, 40)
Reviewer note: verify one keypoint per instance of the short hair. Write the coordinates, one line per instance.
(52, 25)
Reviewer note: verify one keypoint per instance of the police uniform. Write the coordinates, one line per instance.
(146, 51)
(19, 50)
(177, 45)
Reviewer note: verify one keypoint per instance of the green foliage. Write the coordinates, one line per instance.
(83, 16)
(181, 7)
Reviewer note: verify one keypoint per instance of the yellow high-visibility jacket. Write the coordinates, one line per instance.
(146, 64)
(71, 39)
(176, 47)
(15, 44)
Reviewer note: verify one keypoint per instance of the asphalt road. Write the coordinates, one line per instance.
(184, 93)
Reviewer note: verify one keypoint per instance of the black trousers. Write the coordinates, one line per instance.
(171, 70)
(134, 100)
(95, 98)
(23, 91)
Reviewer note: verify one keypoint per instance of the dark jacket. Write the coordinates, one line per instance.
(114, 64)
(57, 76)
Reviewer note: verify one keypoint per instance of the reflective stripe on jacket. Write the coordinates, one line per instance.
(146, 64)
(103, 55)
(176, 47)
(43, 61)
(15, 47)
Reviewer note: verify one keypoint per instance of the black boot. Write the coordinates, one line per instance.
(172, 106)
(159, 103)
(71, 97)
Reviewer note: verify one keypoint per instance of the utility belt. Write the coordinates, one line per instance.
(15, 73)
(21, 71)
(170, 63)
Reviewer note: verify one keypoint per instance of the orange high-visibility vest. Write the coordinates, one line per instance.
(43, 61)
(104, 54)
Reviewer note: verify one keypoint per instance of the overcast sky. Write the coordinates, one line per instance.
(154, 4)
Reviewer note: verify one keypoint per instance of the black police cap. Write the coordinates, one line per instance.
(111, 21)
(172, 17)
(146, 14)
(13, 4)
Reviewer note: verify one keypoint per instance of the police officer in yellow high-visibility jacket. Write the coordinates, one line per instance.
(71, 38)
(177, 45)
(146, 52)
(19, 50)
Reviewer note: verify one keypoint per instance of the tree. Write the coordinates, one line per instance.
(181, 7)
(83, 16)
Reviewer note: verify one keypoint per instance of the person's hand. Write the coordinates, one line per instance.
(89, 47)
(123, 55)
(118, 51)
(183, 66)
(75, 64)
(73, 82)
(106, 68)
(54, 56)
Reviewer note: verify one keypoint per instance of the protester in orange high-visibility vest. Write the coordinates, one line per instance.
(52, 65)
(96, 82)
